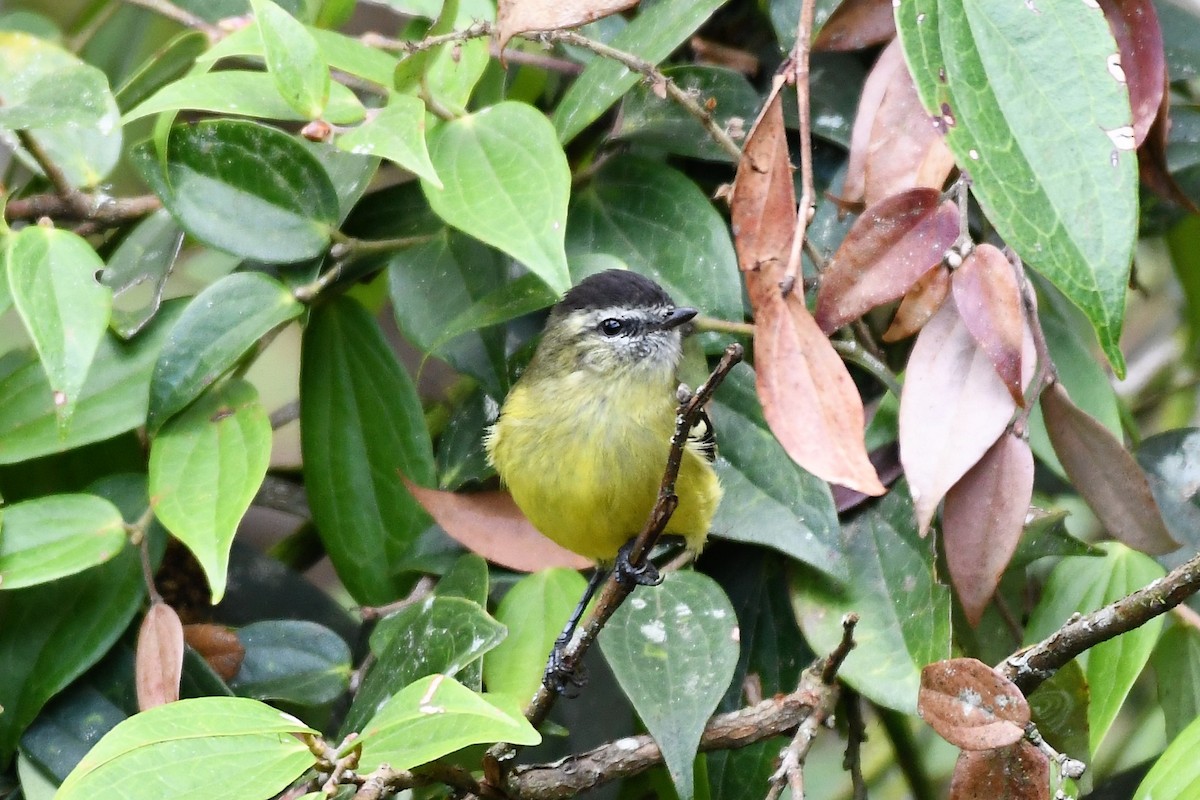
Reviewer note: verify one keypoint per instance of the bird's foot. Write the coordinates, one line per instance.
(560, 677)
(644, 574)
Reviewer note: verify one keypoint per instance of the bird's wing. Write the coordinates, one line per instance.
(703, 437)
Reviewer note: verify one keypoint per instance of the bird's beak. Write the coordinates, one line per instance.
(678, 316)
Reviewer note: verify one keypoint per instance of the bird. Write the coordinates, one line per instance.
(582, 439)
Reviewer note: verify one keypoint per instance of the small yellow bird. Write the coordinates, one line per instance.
(582, 439)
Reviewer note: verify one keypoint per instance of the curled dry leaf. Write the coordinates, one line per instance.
(1016, 772)
(158, 665)
(952, 409)
(490, 524)
(989, 301)
(1143, 64)
(519, 16)
(970, 705)
(857, 24)
(809, 399)
(217, 645)
(982, 521)
(762, 206)
(1152, 161)
(922, 302)
(887, 250)
(873, 91)
(1105, 474)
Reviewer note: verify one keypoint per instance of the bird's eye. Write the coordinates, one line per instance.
(611, 326)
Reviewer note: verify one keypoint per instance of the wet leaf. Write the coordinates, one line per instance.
(763, 202)
(519, 16)
(888, 249)
(490, 524)
(1106, 475)
(138, 269)
(158, 664)
(953, 408)
(1016, 772)
(919, 305)
(1143, 63)
(857, 24)
(982, 521)
(989, 302)
(971, 705)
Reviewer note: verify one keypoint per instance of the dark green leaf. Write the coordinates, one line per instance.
(513, 299)
(206, 465)
(295, 661)
(461, 458)
(1046, 535)
(250, 190)
(137, 272)
(1060, 710)
(293, 59)
(361, 431)
(170, 62)
(904, 611)
(1176, 662)
(69, 726)
(219, 326)
(1172, 464)
(57, 535)
(673, 649)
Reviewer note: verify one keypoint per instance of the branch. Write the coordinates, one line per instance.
(96, 208)
(1028, 668)
(800, 74)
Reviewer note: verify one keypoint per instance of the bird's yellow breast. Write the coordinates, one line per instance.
(585, 462)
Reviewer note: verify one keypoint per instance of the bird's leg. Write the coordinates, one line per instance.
(559, 675)
(644, 574)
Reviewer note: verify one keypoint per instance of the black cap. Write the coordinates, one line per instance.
(615, 287)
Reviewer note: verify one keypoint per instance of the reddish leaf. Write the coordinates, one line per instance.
(857, 24)
(873, 91)
(970, 705)
(218, 645)
(158, 664)
(952, 409)
(1143, 65)
(982, 521)
(763, 203)
(886, 461)
(905, 151)
(808, 398)
(1152, 161)
(989, 300)
(519, 16)
(922, 302)
(490, 524)
(1105, 474)
(1017, 772)
(887, 250)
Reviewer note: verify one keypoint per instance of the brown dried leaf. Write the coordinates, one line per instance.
(1017, 772)
(808, 398)
(952, 409)
(982, 521)
(1152, 161)
(857, 24)
(873, 91)
(989, 301)
(1143, 64)
(519, 16)
(922, 302)
(722, 55)
(887, 250)
(158, 664)
(218, 645)
(763, 202)
(1105, 474)
(490, 524)
(970, 705)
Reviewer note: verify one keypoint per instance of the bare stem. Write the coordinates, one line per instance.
(98, 209)
(800, 74)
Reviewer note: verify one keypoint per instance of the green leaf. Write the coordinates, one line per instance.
(673, 648)
(206, 465)
(292, 660)
(218, 327)
(1081, 585)
(293, 59)
(506, 182)
(904, 612)
(52, 278)
(440, 635)
(56, 535)
(341, 52)
(513, 299)
(657, 221)
(246, 94)
(1176, 662)
(395, 132)
(137, 271)
(113, 399)
(461, 458)
(768, 499)
(663, 124)
(1176, 773)
(241, 187)
(361, 431)
(1171, 460)
(1059, 708)
(1046, 535)
(79, 133)
(170, 62)
(468, 579)
(206, 747)
(433, 717)
(453, 71)
(1053, 169)
(534, 610)
(652, 35)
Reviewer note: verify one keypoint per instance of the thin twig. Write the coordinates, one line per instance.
(855, 353)
(182, 16)
(476, 30)
(422, 589)
(800, 74)
(99, 209)
(856, 734)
